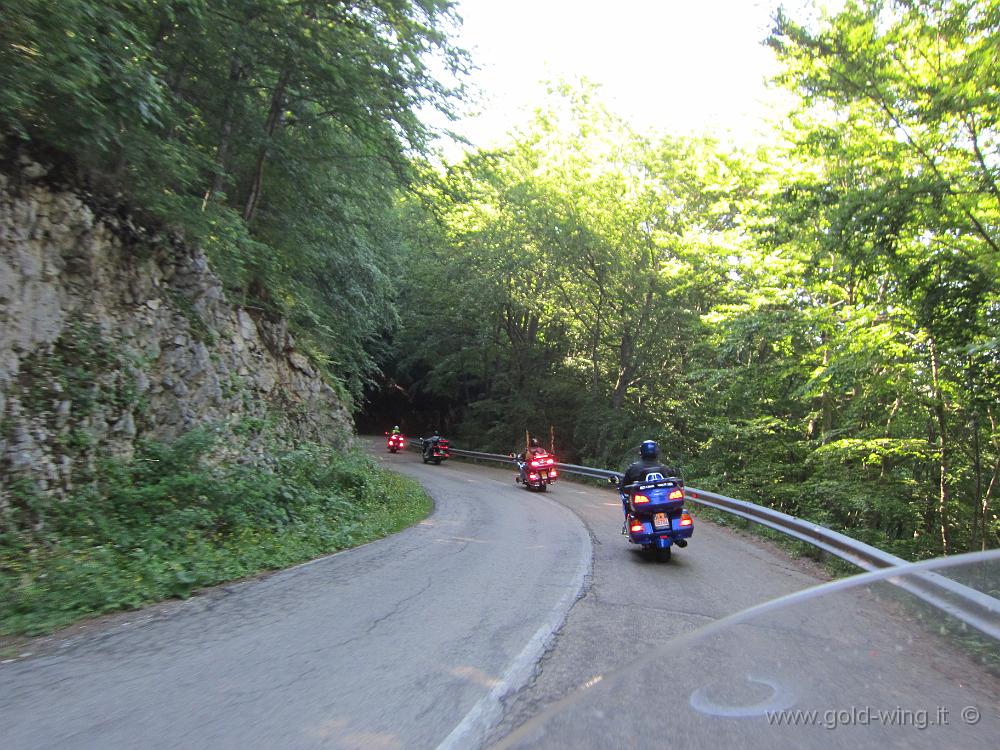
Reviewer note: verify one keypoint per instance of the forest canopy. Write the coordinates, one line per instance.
(276, 133)
(813, 325)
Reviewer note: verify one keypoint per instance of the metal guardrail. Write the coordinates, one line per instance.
(968, 605)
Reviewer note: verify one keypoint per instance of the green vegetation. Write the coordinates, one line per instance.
(170, 521)
(275, 133)
(814, 326)
(85, 367)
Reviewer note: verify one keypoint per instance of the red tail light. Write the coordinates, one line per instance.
(532, 476)
(640, 499)
(636, 526)
(686, 519)
(553, 473)
(676, 494)
(539, 461)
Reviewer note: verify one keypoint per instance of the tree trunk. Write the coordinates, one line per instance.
(984, 502)
(978, 521)
(627, 364)
(984, 505)
(826, 405)
(884, 463)
(270, 125)
(940, 417)
(625, 369)
(236, 72)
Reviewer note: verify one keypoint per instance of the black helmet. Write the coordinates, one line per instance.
(649, 449)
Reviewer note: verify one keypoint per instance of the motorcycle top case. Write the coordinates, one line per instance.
(658, 494)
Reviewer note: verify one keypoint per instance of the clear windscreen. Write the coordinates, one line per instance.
(860, 662)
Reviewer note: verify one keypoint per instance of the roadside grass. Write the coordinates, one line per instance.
(169, 521)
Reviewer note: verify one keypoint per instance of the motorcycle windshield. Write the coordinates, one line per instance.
(860, 662)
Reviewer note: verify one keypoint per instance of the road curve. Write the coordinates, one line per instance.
(408, 642)
(632, 656)
(634, 604)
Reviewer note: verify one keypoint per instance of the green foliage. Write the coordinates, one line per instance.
(169, 522)
(813, 327)
(85, 366)
(560, 281)
(276, 134)
(86, 81)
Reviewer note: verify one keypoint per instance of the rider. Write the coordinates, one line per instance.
(648, 463)
(431, 442)
(534, 449)
(396, 431)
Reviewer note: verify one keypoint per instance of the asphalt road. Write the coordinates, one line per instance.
(662, 655)
(403, 643)
(443, 635)
(634, 604)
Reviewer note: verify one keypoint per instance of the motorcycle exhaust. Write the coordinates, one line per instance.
(681, 542)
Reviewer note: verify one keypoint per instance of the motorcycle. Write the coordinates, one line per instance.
(536, 472)
(656, 517)
(395, 442)
(435, 450)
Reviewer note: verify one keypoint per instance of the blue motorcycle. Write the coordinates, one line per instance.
(656, 517)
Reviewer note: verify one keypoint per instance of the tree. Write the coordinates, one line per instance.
(904, 201)
(275, 133)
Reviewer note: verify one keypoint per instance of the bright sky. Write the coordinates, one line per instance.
(680, 66)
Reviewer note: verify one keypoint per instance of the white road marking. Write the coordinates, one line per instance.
(472, 730)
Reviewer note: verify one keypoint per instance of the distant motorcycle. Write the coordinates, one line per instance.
(535, 471)
(436, 450)
(395, 442)
(656, 518)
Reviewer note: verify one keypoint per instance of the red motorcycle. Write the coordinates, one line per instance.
(395, 442)
(537, 470)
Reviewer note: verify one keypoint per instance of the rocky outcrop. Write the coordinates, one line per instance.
(110, 333)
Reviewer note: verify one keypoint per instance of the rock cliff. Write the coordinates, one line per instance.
(110, 333)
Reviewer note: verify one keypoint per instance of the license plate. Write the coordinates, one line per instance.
(660, 521)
